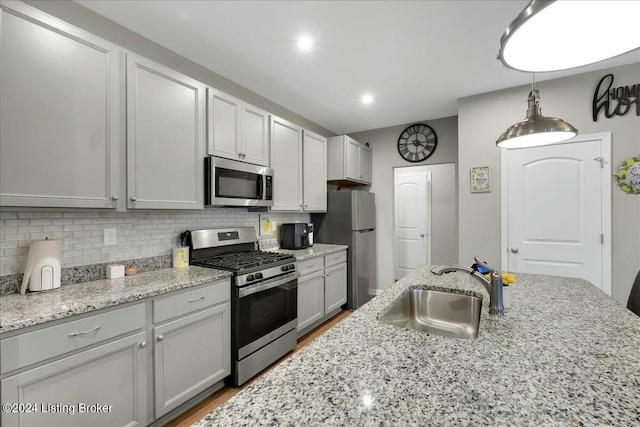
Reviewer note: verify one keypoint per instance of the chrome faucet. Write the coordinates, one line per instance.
(493, 287)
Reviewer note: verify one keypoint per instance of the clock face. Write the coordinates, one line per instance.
(417, 142)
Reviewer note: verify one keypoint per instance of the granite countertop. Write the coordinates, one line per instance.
(564, 354)
(317, 250)
(20, 311)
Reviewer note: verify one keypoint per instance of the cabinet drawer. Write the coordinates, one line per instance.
(32, 347)
(335, 258)
(311, 265)
(190, 301)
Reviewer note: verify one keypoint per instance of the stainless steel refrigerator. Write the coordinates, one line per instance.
(351, 220)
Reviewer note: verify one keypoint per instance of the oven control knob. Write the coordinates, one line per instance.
(250, 278)
(285, 268)
(258, 275)
(292, 267)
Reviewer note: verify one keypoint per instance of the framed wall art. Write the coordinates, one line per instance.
(480, 179)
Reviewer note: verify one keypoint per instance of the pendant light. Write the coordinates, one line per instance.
(536, 129)
(557, 35)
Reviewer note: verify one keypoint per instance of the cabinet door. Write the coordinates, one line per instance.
(310, 299)
(112, 376)
(165, 137)
(314, 167)
(286, 162)
(190, 354)
(224, 115)
(352, 159)
(365, 164)
(255, 135)
(335, 287)
(60, 110)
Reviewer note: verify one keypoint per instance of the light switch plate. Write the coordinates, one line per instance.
(110, 237)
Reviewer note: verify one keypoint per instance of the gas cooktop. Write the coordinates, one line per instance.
(243, 261)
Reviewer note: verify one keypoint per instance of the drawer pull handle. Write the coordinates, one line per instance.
(75, 334)
(196, 299)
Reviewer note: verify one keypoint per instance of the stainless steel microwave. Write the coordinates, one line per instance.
(232, 183)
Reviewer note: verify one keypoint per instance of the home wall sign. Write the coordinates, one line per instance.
(614, 101)
(628, 175)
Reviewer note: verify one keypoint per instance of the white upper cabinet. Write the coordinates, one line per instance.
(60, 109)
(255, 135)
(224, 129)
(236, 130)
(299, 162)
(314, 166)
(349, 161)
(165, 137)
(286, 162)
(364, 160)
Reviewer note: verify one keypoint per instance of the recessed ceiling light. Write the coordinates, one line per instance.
(305, 43)
(367, 99)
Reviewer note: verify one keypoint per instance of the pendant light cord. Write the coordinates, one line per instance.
(533, 81)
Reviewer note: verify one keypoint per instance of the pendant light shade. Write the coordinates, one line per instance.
(536, 129)
(558, 35)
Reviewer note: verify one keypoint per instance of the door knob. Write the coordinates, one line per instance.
(515, 250)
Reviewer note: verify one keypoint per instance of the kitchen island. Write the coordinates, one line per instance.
(564, 354)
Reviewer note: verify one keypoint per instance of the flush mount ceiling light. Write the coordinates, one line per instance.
(305, 43)
(536, 129)
(557, 35)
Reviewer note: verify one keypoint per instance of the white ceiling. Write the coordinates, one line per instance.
(415, 57)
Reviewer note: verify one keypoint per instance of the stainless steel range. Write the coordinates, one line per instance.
(264, 296)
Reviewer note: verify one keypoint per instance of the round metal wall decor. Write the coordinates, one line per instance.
(417, 142)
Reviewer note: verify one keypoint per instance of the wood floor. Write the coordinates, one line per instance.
(227, 392)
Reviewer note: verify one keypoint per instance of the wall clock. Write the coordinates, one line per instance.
(417, 142)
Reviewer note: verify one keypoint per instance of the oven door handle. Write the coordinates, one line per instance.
(259, 287)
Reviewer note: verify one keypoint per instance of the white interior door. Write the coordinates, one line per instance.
(556, 214)
(412, 194)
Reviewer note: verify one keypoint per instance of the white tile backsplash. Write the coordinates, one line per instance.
(139, 234)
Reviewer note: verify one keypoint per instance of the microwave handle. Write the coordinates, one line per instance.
(260, 186)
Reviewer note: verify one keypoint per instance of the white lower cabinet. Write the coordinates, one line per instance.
(96, 370)
(105, 385)
(322, 289)
(190, 354)
(335, 287)
(191, 343)
(310, 299)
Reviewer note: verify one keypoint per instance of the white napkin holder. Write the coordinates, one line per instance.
(44, 265)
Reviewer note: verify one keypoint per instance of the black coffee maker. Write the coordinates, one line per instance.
(296, 236)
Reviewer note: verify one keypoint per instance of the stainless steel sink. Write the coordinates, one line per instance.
(435, 312)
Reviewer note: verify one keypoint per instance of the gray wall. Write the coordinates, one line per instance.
(482, 118)
(81, 17)
(385, 158)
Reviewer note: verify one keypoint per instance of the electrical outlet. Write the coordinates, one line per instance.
(110, 237)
